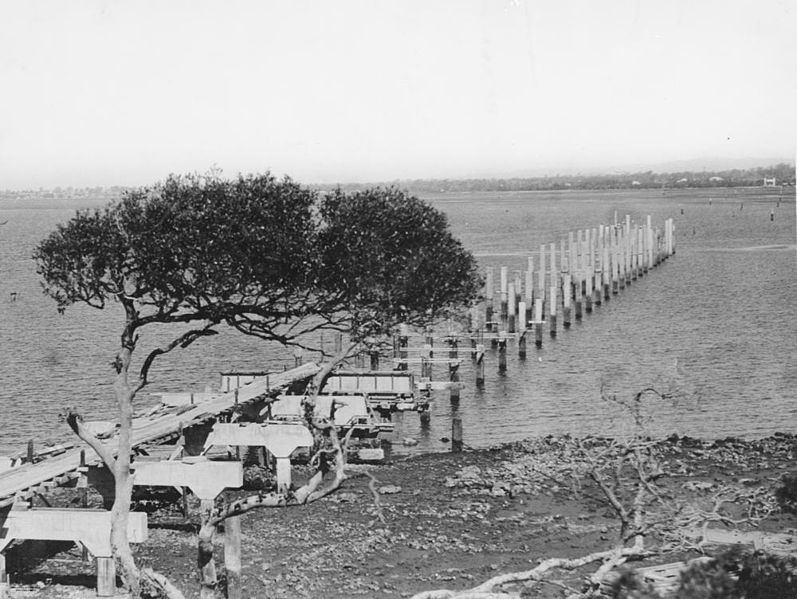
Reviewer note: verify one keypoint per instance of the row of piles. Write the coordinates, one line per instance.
(592, 265)
(581, 272)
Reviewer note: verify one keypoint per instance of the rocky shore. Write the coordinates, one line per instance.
(449, 521)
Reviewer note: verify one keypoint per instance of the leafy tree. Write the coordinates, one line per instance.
(388, 258)
(264, 257)
(197, 251)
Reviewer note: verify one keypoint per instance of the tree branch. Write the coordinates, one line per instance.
(488, 588)
(183, 341)
(75, 422)
(311, 491)
(375, 493)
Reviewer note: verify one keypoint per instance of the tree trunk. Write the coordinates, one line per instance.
(206, 563)
(326, 369)
(119, 541)
(232, 556)
(122, 479)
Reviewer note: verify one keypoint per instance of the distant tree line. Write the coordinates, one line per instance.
(783, 173)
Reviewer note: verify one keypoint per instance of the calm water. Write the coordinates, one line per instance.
(717, 323)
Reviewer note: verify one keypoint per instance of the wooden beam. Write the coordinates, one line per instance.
(206, 479)
(91, 528)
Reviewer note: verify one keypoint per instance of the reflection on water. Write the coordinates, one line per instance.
(717, 323)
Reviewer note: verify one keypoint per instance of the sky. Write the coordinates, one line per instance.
(108, 92)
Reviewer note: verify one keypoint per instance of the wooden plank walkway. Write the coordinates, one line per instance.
(158, 426)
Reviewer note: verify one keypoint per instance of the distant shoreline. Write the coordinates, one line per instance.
(40, 200)
(782, 172)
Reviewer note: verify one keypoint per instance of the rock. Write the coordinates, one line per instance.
(497, 491)
(694, 485)
(389, 490)
(470, 474)
(346, 497)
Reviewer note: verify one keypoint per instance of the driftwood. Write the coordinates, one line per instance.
(490, 589)
(161, 584)
(377, 502)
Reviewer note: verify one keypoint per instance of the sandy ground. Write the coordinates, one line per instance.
(449, 521)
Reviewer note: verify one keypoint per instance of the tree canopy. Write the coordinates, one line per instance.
(191, 249)
(390, 258)
(189, 242)
(264, 256)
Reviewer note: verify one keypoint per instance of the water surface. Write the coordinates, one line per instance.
(716, 325)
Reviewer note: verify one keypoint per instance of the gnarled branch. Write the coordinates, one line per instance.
(75, 422)
(183, 341)
(488, 589)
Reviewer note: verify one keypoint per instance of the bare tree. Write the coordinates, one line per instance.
(625, 474)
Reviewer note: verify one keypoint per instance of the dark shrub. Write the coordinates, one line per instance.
(787, 494)
(630, 585)
(707, 580)
(763, 576)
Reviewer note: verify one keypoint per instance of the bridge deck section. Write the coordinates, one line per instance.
(157, 427)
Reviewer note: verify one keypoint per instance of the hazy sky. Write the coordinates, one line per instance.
(109, 92)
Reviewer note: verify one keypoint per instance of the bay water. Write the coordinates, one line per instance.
(714, 328)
